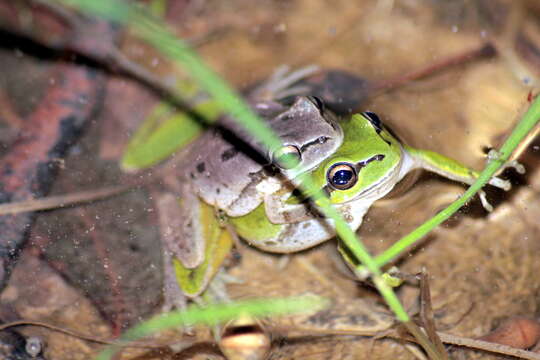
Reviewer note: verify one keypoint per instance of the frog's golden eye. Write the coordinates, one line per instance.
(287, 157)
(342, 176)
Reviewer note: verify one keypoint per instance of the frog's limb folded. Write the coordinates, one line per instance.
(279, 212)
(195, 245)
(180, 226)
(257, 229)
(174, 297)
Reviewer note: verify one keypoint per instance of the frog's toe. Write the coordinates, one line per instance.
(217, 289)
(283, 261)
(280, 84)
(514, 164)
(500, 183)
(484, 201)
(228, 278)
(291, 91)
(283, 78)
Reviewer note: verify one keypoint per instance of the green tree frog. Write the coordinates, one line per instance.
(365, 168)
(262, 207)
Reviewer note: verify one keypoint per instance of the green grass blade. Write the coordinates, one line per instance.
(156, 139)
(356, 246)
(216, 314)
(165, 131)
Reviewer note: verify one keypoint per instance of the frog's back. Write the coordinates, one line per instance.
(220, 172)
(225, 165)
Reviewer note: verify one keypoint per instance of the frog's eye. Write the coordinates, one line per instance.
(287, 157)
(342, 176)
(317, 102)
(373, 119)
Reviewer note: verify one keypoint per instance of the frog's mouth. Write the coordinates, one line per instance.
(382, 184)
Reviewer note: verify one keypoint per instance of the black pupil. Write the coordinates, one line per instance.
(342, 177)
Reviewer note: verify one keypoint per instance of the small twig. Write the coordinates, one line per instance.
(82, 336)
(488, 346)
(446, 338)
(60, 201)
(426, 314)
(57, 329)
(526, 142)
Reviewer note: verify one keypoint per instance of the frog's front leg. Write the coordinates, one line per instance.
(195, 245)
(279, 211)
(454, 170)
(257, 229)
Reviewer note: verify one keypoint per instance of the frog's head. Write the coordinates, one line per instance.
(366, 165)
(309, 133)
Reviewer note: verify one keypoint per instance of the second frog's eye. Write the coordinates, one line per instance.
(373, 119)
(342, 176)
(287, 157)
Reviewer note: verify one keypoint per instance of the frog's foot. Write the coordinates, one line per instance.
(280, 84)
(392, 278)
(216, 293)
(484, 201)
(217, 289)
(174, 297)
(498, 182)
